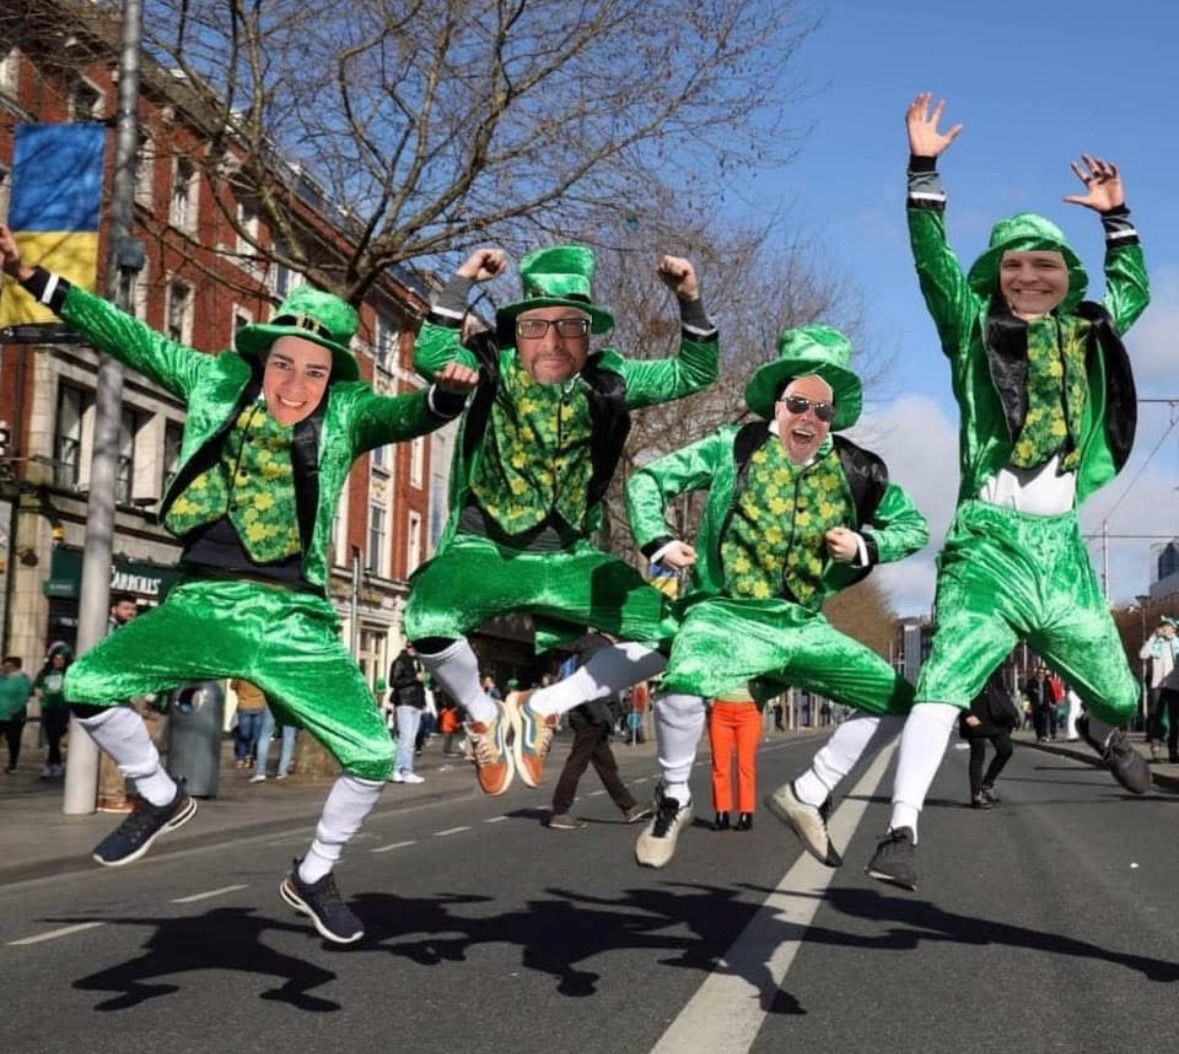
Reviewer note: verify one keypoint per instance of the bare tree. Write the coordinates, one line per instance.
(436, 125)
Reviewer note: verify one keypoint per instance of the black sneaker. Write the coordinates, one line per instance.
(322, 903)
(1127, 766)
(144, 824)
(656, 845)
(989, 793)
(895, 859)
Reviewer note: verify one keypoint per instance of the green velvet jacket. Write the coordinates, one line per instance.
(984, 353)
(351, 419)
(885, 516)
(615, 384)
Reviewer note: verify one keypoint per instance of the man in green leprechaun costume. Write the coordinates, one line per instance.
(272, 430)
(1048, 412)
(538, 446)
(793, 515)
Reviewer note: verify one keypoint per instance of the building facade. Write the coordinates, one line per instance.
(201, 282)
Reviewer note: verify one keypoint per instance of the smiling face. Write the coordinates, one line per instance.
(295, 378)
(551, 358)
(802, 433)
(1033, 283)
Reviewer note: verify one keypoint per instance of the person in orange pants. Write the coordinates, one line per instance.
(734, 723)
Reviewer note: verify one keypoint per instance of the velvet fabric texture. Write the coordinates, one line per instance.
(285, 642)
(1006, 576)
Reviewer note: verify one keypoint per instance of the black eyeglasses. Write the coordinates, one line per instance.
(799, 404)
(535, 328)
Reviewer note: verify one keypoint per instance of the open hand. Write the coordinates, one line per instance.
(679, 276)
(1103, 184)
(924, 138)
(484, 264)
(10, 256)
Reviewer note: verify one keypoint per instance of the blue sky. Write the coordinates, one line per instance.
(1035, 86)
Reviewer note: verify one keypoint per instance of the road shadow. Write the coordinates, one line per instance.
(919, 921)
(560, 934)
(223, 939)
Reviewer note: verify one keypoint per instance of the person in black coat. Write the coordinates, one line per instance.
(992, 716)
(409, 698)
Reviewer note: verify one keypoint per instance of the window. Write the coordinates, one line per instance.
(10, 70)
(183, 212)
(5, 190)
(241, 317)
(139, 293)
(385, 351)
(72, 404)
(85, 101)
(413, 548)
(247, 243)
(280, 277)
(130, 423)
(179, 320)
(173, 436)
(417, 462)
(380, 460)
(376, 540)
(340, 532)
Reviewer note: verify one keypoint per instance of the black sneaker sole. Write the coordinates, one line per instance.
(891, 880)
(287, 891)
(177, 821)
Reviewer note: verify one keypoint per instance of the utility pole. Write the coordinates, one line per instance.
(125, 259)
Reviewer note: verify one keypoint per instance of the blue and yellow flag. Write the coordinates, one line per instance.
(53, 211)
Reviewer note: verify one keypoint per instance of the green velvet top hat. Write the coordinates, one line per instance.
(562, 276)
(1027, 232)
(821, 351)
(319, 317)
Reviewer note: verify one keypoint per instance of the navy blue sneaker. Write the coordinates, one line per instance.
(321, 902)
(1125, 764)
(895, 859)
(144, 824)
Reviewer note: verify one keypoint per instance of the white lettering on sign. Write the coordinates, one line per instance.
(124, 582)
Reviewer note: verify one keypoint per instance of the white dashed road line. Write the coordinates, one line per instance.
(52, 935)
(210, 893)
(450, 830)
(395, 845)
(495, 819)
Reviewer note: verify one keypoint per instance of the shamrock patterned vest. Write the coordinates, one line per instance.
(774, 537)
(1057, 387)
(536, 456)
(252, 483)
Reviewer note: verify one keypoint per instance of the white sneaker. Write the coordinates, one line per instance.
(412, 777)
(397, 777)
(282, 776)
(258, 777)
(656, 845)
(809, 822)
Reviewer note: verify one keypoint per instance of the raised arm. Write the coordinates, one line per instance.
(169, 363)
(947, 294)
(649, 490)
(1127, 288)
(652, 381)
(376, 420)
(440, 339)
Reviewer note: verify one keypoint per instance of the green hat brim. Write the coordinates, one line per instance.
(254, 341)
(762, 390)
(601, 321)
(984, 273)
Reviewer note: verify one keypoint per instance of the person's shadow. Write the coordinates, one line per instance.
(222, 939)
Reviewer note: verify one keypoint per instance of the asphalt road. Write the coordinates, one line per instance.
(1047, 924)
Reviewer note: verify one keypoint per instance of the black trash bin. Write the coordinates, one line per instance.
(195, 717)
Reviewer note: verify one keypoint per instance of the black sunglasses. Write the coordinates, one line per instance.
(799, 404)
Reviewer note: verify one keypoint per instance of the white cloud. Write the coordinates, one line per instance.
(1153, 342)
(919, 443)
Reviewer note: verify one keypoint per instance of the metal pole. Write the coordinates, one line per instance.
(354, 607)
(1105, 559)
(81, 783)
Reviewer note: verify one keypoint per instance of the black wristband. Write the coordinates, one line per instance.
(920, 163)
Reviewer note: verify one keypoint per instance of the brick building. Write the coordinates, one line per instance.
(201, 282)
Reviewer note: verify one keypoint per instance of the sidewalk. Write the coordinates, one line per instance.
(1165, 775)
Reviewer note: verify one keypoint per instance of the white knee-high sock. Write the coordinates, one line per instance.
(457, 670)
(120, 732)
(858, 735)
(607, 671)
(350, 801)
(679, 722)
(923, 744)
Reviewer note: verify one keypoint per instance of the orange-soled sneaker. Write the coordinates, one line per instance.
(533, 735)
(493, 759)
